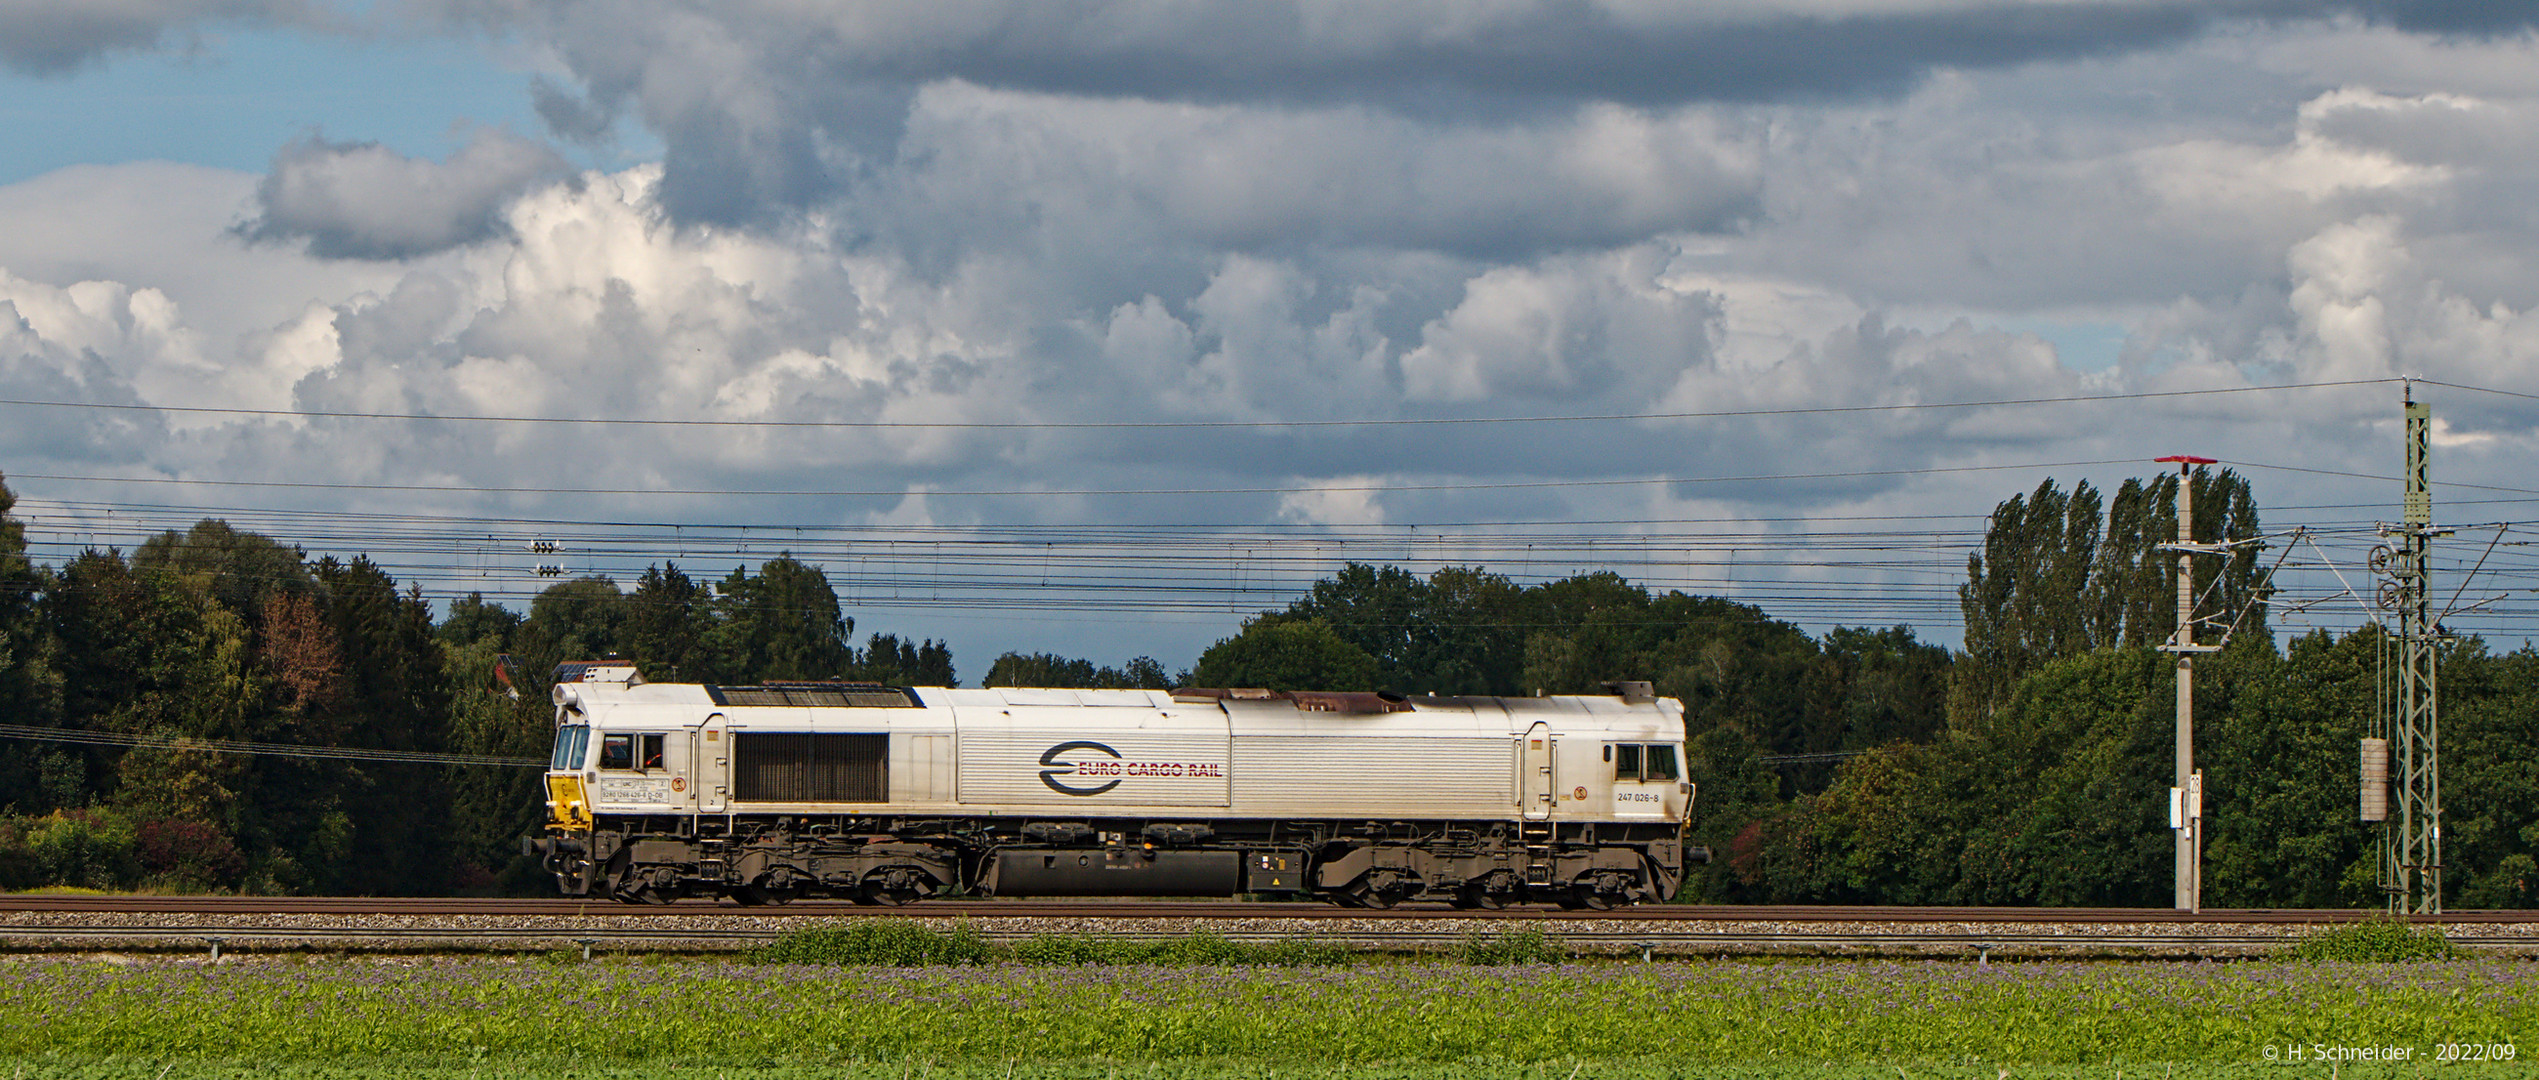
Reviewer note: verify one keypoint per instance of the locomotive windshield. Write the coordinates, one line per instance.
(570, 743)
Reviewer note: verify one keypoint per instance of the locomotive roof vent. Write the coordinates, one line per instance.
(1632, 691)
(1330, 701)
(615, 669)
(852, 695)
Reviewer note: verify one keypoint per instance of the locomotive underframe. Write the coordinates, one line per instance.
(893, 859)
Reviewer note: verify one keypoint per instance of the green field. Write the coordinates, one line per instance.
(416, 1019)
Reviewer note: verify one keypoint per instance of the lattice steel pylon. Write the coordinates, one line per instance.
(2411, 833)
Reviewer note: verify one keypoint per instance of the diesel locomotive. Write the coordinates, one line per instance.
(883, 794)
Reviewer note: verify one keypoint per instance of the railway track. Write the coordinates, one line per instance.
(1072, 909)
(260, 924)
(1659, 942)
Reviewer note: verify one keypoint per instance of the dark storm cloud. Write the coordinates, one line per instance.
(54, 37)
(770, 108)
(1561, 52)
(566, 115)
(2462, 17)
(366, 201)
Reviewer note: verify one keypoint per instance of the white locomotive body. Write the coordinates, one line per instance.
(885, 794)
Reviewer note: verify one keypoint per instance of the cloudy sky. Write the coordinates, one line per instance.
(1087, 327)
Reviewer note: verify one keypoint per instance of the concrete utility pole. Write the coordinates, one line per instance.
(2186, 800)
(2411, 822)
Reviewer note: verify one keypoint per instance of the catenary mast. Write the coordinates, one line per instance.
(2186, 800)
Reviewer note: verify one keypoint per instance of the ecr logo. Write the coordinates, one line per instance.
(1057, 768)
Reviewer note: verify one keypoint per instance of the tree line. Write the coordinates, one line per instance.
(1862, 765)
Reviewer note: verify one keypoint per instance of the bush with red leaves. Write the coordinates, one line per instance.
(190, 852)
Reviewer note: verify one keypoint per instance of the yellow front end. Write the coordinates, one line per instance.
(568, 803)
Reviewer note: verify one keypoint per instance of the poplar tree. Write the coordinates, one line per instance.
(2058, 578)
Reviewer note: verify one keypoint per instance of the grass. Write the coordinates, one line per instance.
(2376, 941)
(900, 944)
(543, 1067)
(418, 1019)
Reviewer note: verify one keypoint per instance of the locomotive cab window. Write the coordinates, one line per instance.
(642, 753)
(1642, 761)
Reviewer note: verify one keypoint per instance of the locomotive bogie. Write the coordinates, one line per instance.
(889, 795)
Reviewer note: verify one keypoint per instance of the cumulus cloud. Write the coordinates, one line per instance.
(94, 341)
(357, 200)
(1601, 330)
(997, 215)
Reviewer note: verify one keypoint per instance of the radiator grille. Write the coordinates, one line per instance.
(816, 695)
(801, 768)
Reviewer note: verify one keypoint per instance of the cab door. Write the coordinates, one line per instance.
(1534, 756)
(679, 763)
(710, 764)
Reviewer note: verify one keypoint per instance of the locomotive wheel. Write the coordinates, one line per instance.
(888, 896)
(1383, 888)
(896, 886)
(1490, 892)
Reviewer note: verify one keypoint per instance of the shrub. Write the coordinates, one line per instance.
(188, 853)
(17, 868)
(92, 849)
(1527, 946)
(877, 942)
(2376, 941)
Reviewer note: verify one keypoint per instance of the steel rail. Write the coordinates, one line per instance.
(1303, 911)
(1670, 942)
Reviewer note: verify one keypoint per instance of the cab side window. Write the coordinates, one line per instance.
(617, 752)
(648, 752)
(1642, 761)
